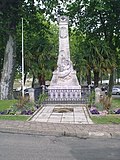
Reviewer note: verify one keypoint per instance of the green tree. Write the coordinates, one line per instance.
(9, 9)
(38, 45)
(99, 19)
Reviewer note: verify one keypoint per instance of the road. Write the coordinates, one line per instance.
(116, 96)
(34, 147)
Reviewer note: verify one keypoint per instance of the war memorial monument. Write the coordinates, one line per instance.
(64, 84)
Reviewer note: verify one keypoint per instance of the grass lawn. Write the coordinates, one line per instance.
(14, 117)
(108, 119)
(115, 103)
(5, 104)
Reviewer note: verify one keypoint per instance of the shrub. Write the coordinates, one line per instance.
(106, 101)
(42, 98)
(23, 106)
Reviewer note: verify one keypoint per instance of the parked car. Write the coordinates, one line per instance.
(116, 91)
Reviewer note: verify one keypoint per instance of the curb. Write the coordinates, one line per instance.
(35, 113)
(57, 129)
(81, 135)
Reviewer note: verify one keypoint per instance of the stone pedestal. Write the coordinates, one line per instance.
(31, 94)
(97, 95)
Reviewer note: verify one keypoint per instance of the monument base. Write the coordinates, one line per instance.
(66, 88)
(67, 93)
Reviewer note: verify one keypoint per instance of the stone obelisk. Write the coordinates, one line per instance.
(64, 77)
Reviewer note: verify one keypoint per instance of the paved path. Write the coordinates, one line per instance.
(65, 113)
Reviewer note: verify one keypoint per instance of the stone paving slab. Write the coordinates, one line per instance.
(49, 113)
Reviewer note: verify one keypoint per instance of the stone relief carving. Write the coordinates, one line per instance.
(64, 65)
(63, 32)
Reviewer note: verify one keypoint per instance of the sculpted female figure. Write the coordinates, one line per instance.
(64, 65)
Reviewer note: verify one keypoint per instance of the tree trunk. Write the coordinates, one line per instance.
(33, 81)
(96, 78)
(111, 83)
(101, 78)
(108, 98)
(89, 77)
(41, 80)
(8, 72)
(25, 77)
(118, 75)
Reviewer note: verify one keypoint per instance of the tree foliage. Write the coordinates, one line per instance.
(39, 44)
(37, 33)
(99, 21)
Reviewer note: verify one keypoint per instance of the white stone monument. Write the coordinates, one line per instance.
(64, 83)
(31, 94)
(97, 95)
